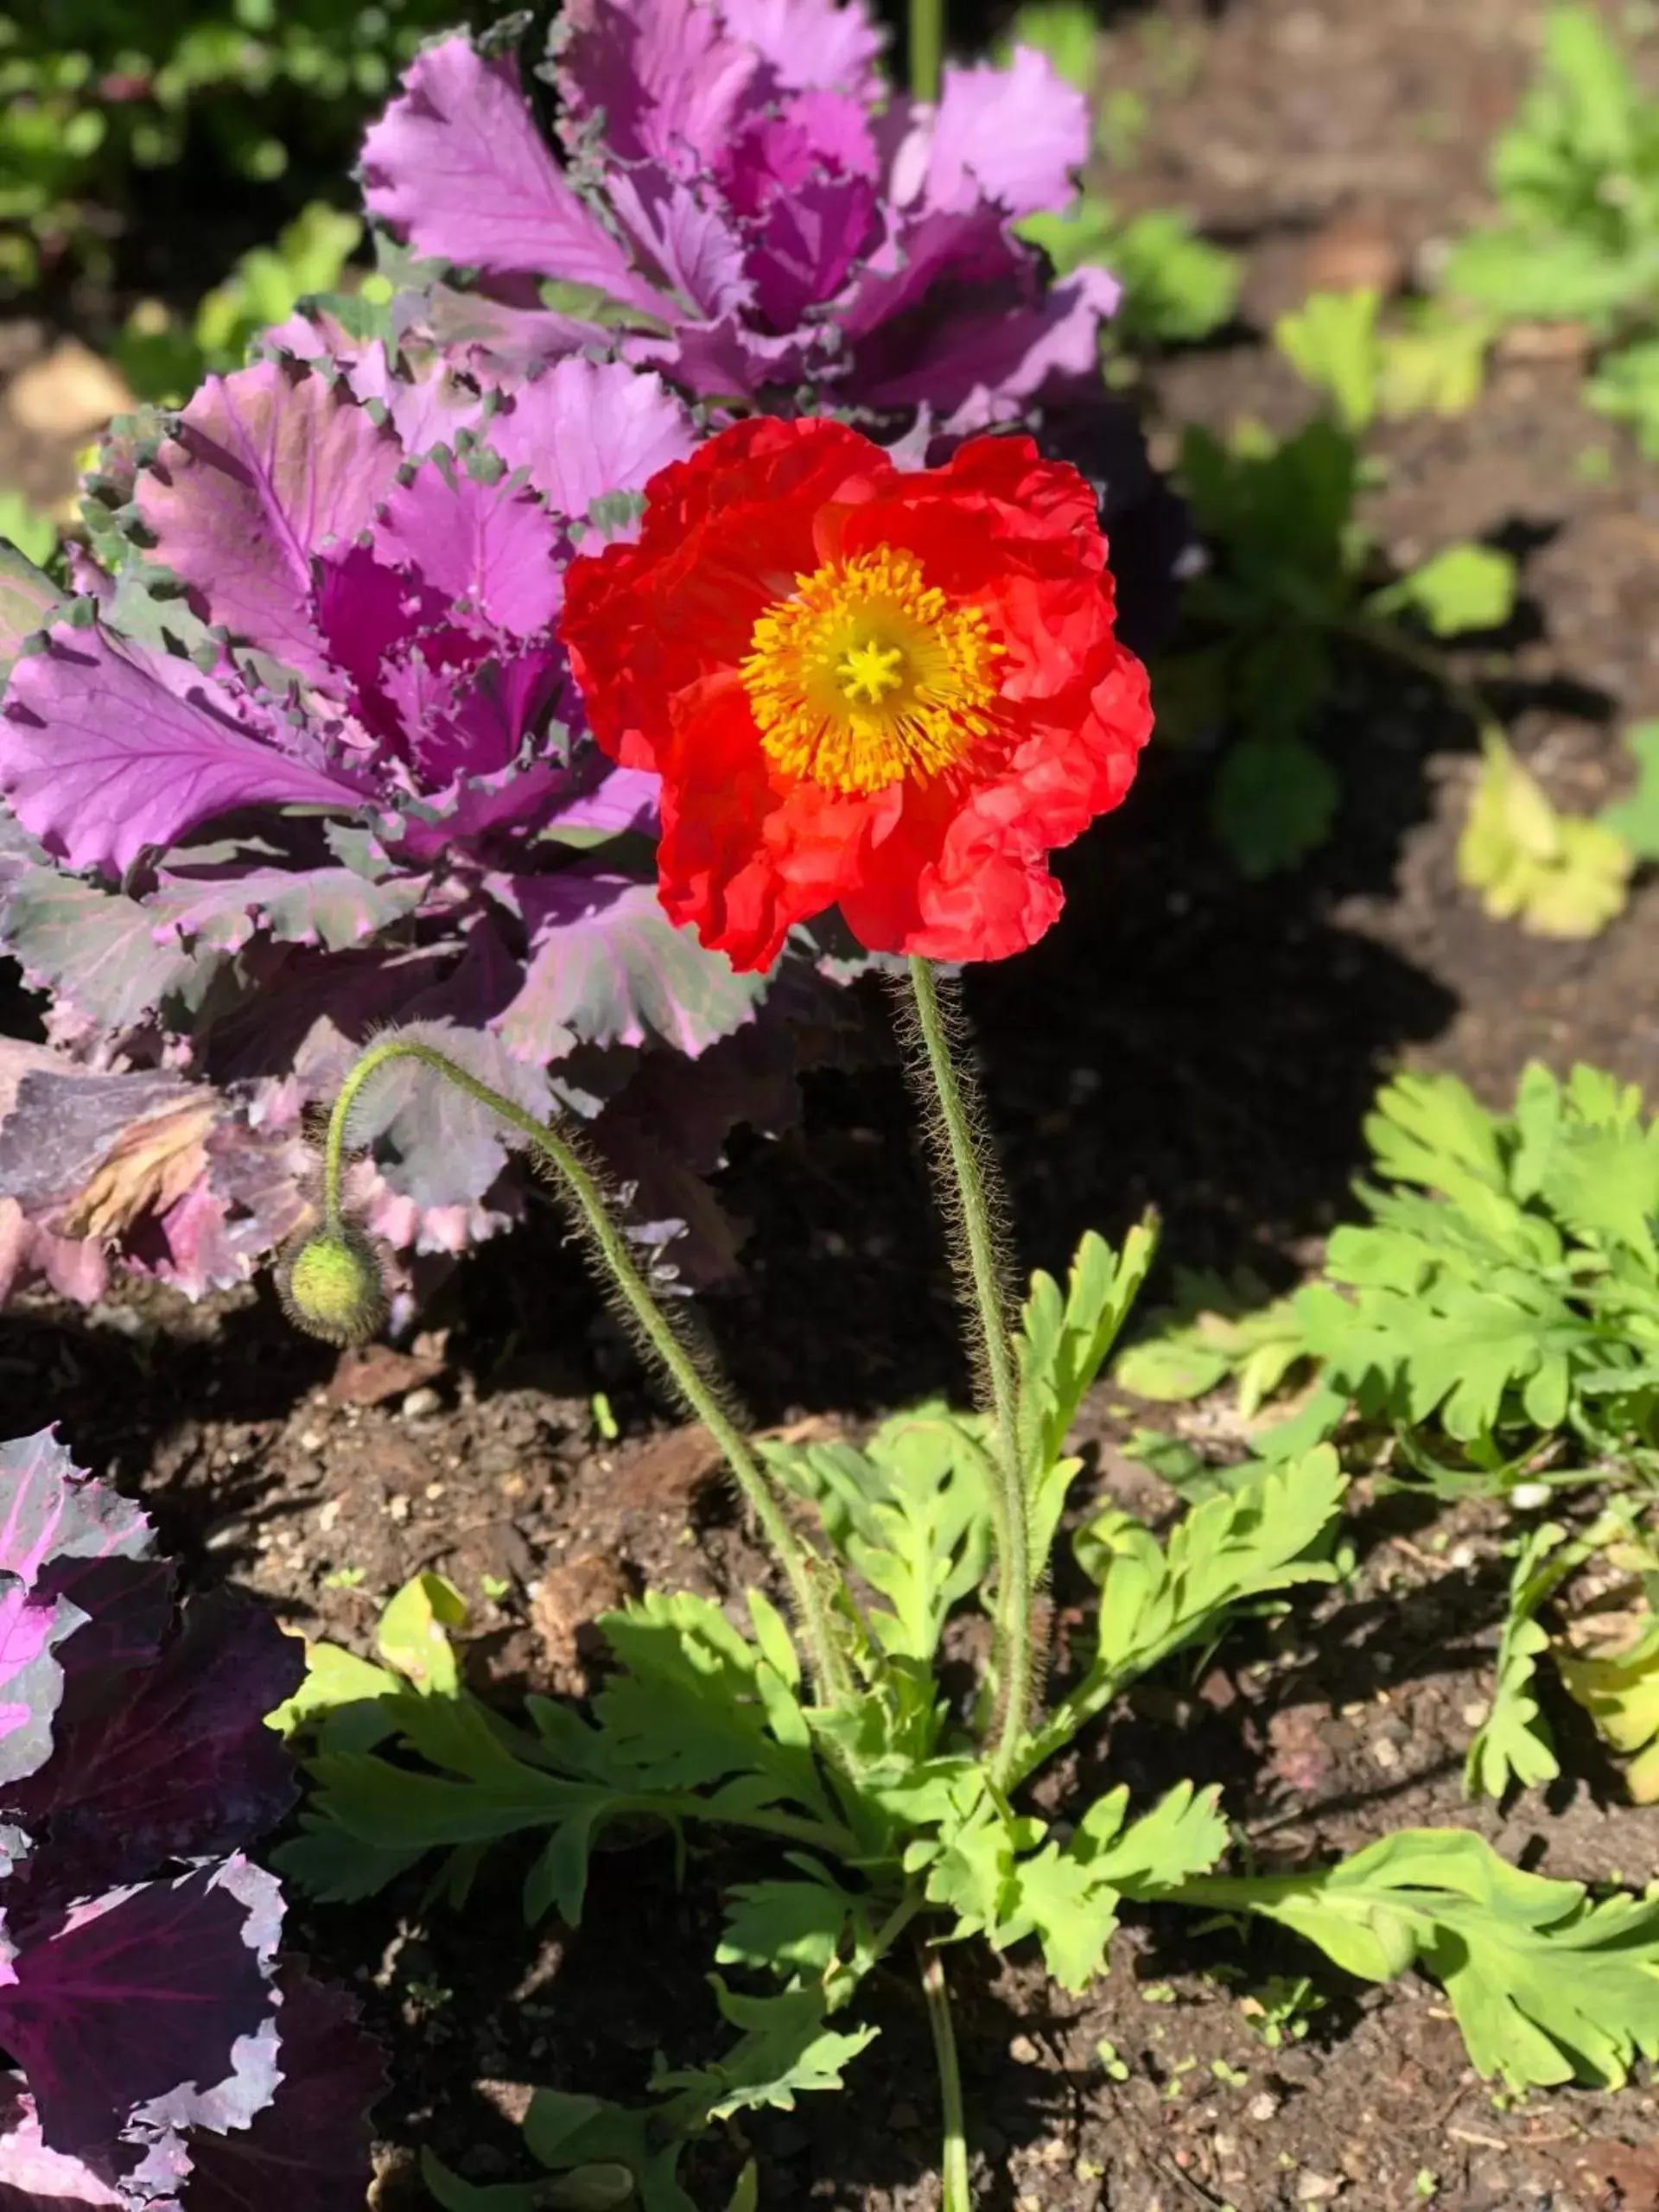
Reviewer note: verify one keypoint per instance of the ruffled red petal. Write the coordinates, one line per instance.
(952, 869)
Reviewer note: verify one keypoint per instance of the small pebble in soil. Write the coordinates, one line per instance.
(398, 1507)
(1386, 1754)
(1262, 2106)
(1317, 2189)
(1023, 2051)
(310, 1440)
(420, 1403)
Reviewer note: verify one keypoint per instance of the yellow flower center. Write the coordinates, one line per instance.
(865, 675)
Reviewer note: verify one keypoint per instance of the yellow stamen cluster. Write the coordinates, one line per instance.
(866, 675)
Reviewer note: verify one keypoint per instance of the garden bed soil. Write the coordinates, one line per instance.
(1180, 1039)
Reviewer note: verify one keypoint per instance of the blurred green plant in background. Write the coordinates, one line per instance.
(92, 91)
(164, 357)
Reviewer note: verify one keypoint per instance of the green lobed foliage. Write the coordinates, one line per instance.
(1576, 176)
(884, 1812)
(1293, 583)
(92, 91)
(1498, 1305)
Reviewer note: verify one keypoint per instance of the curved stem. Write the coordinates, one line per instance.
(926, 47)
(957, 2196)
(700, 1396)
(1398, 644)
(972, 1224)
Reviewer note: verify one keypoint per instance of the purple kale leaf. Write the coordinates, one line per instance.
(164, 2055)
(306, 761)
(739, 200)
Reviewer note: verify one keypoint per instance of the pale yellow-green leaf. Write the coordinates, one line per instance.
(414, 1634)
(1560, 875)
(1620, 1690)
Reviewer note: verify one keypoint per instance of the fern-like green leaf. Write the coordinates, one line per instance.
(1546, 1986)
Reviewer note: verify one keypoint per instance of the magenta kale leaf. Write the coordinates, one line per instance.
(302, 761)
(163, 2053)
(739, 201)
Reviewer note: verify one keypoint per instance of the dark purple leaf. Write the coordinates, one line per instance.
(182, 1767)
(309, 2149)
(51, 1509)
(31, 1680)
(81, 1593)
(151, 1997)
(35, 2179)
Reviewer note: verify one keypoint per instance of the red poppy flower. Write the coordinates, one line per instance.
(892, 693)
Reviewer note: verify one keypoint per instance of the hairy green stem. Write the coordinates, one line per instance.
(926, 47)
(587, 1197)
(953, 2161)
(973, 1222)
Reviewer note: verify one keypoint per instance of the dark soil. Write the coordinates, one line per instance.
(1181, 1039)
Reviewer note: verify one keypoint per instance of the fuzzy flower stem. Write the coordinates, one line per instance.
(926, 47)
(968, 1171)
(587, 1199)
(954, 2162)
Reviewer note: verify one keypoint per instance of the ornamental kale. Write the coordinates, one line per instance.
(164, 2054)
(740, 200)
(304, 758)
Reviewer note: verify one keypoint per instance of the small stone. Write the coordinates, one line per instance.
(419, 1404)
(310, 1440)
(1386, 1754)
(68, 393)
(398, 1507)
(1023, 2051)
(433, 1490)
(1318, 2189)
(1474, 1715)
(1262, 2106)
(326, 1516)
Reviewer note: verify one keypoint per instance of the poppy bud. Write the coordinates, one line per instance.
(332, 1284)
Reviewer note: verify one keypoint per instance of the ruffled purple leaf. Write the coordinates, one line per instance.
(608, 966)
(108, 749)
(266, 469)
(585, 429)
(1015, 136)
(154, 1995)
(182, 1766)
(51, 1511)
(489, 550)
(810, 43)
(663, 74)
(31, 1682)
(79, 1596)
(309, 2149)
(770, 199)
(624, 799)
(457, 164)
